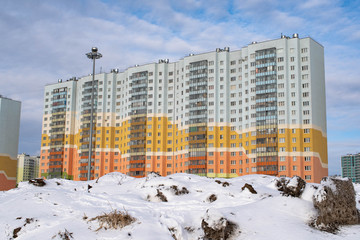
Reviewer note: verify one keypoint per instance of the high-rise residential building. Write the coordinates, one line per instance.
(28, 167)
(257, 110)
(9, 141)
(350, 167)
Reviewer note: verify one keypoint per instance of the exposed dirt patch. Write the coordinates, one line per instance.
(161, 196)
(212, 198)
(173, 231)
(336, 205)
(179, 192)
(16, 231)
(39, 182)
(291, 187)
(221, 230)
(224, 184)
(249, 187)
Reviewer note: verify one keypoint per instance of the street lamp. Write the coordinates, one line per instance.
(92, 55)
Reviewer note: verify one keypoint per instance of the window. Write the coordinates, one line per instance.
(306, 140)
(304, 68)
(307, 168)
(307, 177)
(306, 130)
(282, 159)
(306, 149)
(307, 159)
(281, 140)
(304, 50)
(281, 130)
(282, 168)
(305, 76)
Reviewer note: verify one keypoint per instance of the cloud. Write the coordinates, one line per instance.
(47, 40)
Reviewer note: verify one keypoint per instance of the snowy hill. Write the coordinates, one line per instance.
(179, 206)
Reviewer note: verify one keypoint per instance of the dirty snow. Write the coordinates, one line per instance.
(66, 206)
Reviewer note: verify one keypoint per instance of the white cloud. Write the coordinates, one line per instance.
(47, 40)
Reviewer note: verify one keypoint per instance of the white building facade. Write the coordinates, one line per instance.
(260, 109)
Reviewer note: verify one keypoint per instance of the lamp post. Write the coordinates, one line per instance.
(94, 54)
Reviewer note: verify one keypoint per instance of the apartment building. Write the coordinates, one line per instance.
(350, 167)
(28, 167)
(9, 141)
(257, 110)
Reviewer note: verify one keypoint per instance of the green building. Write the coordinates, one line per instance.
(350, 167)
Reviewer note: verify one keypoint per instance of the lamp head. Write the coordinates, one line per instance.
(94, 49)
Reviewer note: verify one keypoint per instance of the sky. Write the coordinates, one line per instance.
(42, 41)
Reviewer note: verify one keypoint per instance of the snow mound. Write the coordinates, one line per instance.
(195, 208)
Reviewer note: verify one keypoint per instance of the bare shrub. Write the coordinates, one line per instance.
(65, 235)
(114, 220)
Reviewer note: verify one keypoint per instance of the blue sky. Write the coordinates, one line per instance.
(43, 41)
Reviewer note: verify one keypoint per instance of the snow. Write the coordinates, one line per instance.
(62, 205)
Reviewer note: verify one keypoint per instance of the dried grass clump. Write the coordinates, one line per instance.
(114, 220)
(66, 235)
